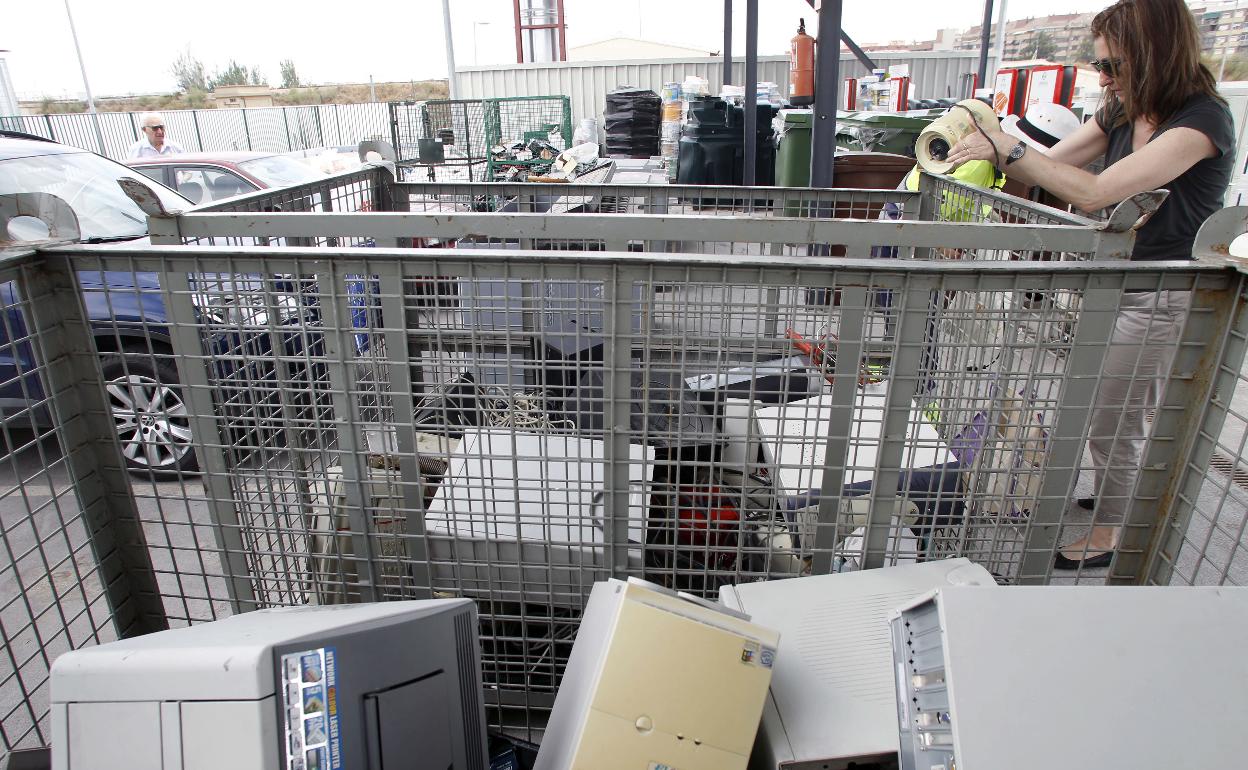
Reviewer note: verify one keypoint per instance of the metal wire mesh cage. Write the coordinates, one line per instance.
(536, 406)
(519, 119)
(455, 140)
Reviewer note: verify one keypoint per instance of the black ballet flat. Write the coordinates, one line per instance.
(1093, 562)
(1086, 503)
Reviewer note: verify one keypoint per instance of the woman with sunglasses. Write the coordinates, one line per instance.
(1161, 125)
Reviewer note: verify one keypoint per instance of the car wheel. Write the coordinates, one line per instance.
(150, 417)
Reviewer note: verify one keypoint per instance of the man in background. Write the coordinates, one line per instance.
(153, 142)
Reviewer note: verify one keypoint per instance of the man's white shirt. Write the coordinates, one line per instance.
(144, 149)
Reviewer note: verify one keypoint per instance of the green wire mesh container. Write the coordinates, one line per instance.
(521, 119)
(470, 130)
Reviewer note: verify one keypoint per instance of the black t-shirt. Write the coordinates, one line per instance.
(1194, 194)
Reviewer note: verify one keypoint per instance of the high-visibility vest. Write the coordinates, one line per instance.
(958, 208)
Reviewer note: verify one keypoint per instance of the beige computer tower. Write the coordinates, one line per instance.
(657, 681)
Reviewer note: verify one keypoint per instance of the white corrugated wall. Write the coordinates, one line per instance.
(933, 75)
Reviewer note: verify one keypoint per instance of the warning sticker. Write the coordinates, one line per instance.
(309, 695)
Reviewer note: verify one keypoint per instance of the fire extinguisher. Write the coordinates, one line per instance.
(802, 67)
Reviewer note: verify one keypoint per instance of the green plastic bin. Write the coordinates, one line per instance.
(793, 151)
(894, 132)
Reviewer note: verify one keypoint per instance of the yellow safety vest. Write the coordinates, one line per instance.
(958, 208)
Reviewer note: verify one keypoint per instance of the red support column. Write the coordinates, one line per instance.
(563, 42)
(519, 39)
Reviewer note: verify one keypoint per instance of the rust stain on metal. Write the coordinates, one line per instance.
(144, 197)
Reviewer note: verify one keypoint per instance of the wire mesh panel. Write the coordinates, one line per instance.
(689, 220)
(456, 126)
(1203, 541)
(352, 192)
(512, 426)
(519, 120)
(74, 566)
(271, 129)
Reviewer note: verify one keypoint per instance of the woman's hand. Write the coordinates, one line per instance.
(976, 147)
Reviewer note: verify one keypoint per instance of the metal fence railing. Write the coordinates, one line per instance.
(512, 424)
(262, 129)
(666, 218)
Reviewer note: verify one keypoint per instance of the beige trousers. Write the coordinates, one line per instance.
(1137, 365)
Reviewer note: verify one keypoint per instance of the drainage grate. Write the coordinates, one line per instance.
(1230, 468)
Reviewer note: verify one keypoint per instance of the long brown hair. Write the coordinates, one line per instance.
(1159, 47)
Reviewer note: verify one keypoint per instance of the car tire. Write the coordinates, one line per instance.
(151, 419)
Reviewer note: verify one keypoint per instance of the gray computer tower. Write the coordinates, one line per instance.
(831, 702)
(1033, 678)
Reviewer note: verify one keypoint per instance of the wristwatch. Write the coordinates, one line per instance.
(1016, 153)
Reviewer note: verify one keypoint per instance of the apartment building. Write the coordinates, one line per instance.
(1059, 38)
(1065, 37)
(1223, 27)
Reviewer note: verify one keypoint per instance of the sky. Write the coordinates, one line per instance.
(128, 47)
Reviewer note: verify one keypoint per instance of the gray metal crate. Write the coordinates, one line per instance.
(646, 416)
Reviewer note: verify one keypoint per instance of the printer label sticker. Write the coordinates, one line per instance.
(310, 689)
(749, 652)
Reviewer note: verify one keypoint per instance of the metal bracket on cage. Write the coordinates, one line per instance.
(145, 198)
(1219, 231)
(1132, 213)
(53, 212)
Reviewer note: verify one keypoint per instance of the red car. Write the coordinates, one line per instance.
(206, 177)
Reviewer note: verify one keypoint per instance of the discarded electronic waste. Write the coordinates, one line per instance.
(725, 464)
(540, 161)
(659, 679)
(831, 703)
(1036, 677)
(370, 686)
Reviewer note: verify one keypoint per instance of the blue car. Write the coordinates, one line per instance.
(129, 321)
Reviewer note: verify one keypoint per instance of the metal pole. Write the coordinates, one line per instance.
(985, 34)
(998, 45)
(95, 117)
(827, 92)
(853, 47)
(452, 84)
(727, 42)
(858, 53)
(199, 137)
(519, 38)
(563, 29)
(748, 175)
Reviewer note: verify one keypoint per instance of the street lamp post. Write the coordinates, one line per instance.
(95, 117)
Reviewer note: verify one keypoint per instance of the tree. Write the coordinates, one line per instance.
(290, 78)
(1235, 67)
(189, 73)
(1084, 53)
(1043, 46)
(234, 74)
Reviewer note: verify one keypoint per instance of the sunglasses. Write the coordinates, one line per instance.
(1107, 66)
(155, 128)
